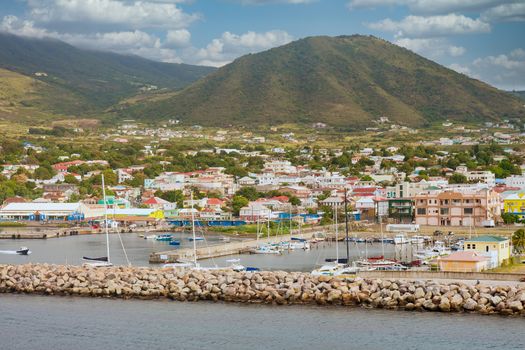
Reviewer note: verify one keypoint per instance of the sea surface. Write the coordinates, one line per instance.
(47, 322)
(71, 249)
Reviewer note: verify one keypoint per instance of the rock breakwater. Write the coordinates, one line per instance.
(277, 287)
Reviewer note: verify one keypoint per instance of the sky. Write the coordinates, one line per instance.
(484, 39)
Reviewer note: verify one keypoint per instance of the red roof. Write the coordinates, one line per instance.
(364, 190)
(155, 200)
(215, 201)
(283, 199)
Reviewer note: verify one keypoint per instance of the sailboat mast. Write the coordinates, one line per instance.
(105, 217)
(346, 229)
(193, 231)
(336, 235)
(268, 223)
(382, 237)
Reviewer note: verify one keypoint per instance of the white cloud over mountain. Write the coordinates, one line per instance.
(229, 46)
(432, 26)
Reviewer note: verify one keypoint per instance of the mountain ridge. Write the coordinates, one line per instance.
(344, 81)
(95, 80)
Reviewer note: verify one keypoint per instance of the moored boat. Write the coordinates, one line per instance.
(400, 238)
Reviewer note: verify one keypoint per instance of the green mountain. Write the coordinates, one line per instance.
(77, 81)
(520, 94)
(344, 81)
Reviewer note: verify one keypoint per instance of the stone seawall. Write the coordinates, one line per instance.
(260, 287)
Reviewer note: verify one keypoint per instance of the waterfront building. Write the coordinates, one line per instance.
(401, 210)
(460, 206)
(495, 247)
(514, 203)
(465, 261)
(32, 211)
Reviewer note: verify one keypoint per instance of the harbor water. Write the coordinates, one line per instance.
(71, 249)
(45, 322)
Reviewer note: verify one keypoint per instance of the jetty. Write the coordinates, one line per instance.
(268, 287)
(44, 234)
(214, 251)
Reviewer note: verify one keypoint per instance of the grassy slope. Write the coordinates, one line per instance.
(96, 80)
(343, 81)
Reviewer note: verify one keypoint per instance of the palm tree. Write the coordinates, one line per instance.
(518, 241)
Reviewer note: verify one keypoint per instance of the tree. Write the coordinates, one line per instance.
(70, 179)
(237, 203)
(508, 218)
(249, 193)
(294, 200)
(43, 173)
(518, 241)
(367, 178)
(457, 178)
(174, 196)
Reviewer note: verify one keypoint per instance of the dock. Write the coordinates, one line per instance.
(43, 234)
(214, 251)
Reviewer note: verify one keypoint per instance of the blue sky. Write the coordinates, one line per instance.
(481, 38)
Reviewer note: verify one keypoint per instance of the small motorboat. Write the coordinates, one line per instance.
(174, 243)
(191, 239)
(150, 236)
(164, 238)
(23, 251)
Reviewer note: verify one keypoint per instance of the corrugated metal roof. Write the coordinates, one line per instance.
(487, 238)
(31, 206)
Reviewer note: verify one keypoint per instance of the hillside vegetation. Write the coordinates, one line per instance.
(84, 81)
(344, 81)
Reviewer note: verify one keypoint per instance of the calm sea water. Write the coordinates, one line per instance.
(38, 322)
(69, 250)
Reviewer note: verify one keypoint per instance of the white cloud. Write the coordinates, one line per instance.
(126, 42)
(460, 68)
(135, 15)
(229, 46)
(433, 26)
(505, 71)
(432, 48)
(178, 38)
(265, 2)
(505, 12)
(433, 6)
(14, 25)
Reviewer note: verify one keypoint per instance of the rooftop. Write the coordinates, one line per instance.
(487, 238)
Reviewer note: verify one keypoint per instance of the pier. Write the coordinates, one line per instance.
(44, 234)
(213, 251)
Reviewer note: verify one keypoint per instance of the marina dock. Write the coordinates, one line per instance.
(213, 251)
(43, 234)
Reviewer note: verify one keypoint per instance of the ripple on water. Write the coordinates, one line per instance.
(38, 322)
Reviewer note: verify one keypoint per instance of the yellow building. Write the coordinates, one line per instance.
(515, 204)
(495, 247)
(468, 261)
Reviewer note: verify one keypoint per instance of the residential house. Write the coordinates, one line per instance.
(497, 248)
(463, 261)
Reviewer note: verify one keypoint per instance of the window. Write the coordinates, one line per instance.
(473, 246)
(443, 211)
(468, 211)
(421, 211)
(487, 249)
(468, 246)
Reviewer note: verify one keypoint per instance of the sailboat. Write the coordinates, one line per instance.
(102, 261)
(333, 266)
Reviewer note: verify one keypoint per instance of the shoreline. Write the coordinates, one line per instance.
(277, 287)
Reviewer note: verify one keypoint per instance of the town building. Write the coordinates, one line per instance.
(457, 207)
(496, 248)
(463, 261)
